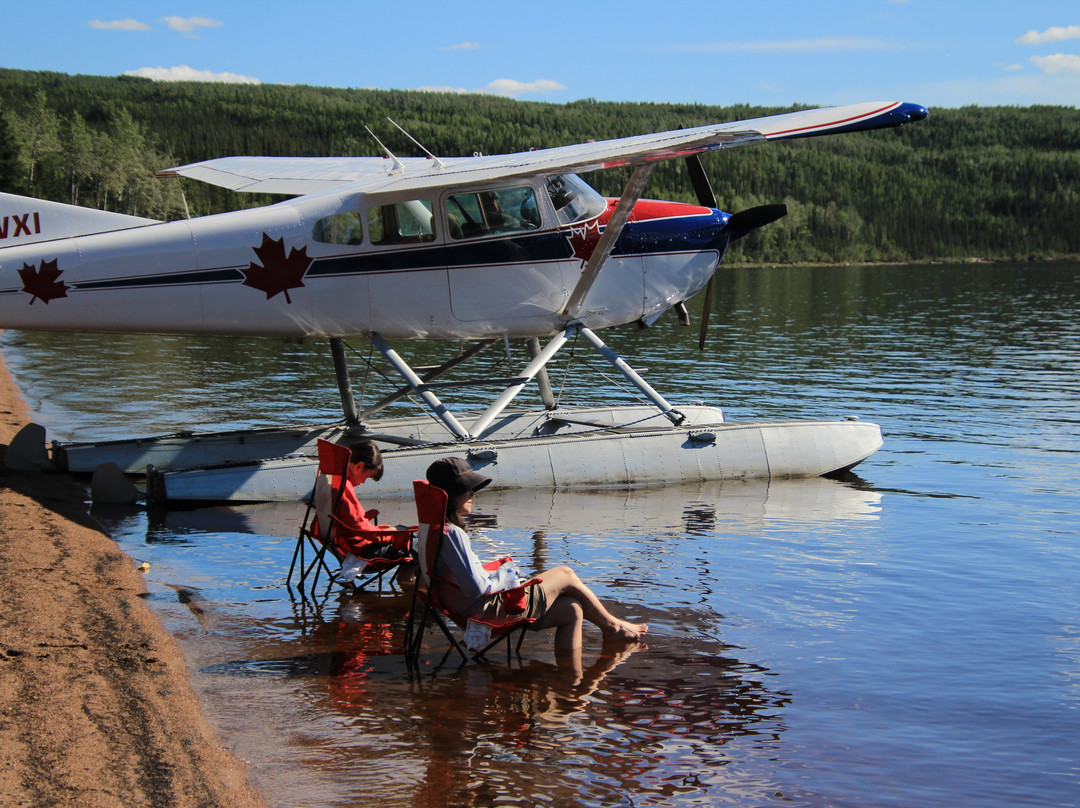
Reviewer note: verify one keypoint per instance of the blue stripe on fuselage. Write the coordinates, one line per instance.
(680, 234)
(677, 234)
(651, 236)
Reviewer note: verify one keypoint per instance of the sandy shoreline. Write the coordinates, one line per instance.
(96, 708)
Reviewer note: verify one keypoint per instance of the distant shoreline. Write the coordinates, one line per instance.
(1060, 259)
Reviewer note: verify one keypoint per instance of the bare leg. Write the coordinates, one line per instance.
(565, 614)
(562, 584)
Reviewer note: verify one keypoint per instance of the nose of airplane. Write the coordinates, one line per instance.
(907, 112)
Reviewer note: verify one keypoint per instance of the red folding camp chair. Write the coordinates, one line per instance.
(427, 603)
(381, 551)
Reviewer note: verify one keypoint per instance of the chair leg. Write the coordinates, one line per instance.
(410, 627)
(417, 640)
(479, 656)
(452, 639)
(298, 551)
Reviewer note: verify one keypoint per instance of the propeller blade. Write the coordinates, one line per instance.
(706, 310)
(744, 221)
(699, 180)
(705, 196)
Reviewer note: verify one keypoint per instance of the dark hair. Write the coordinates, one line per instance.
(365, 453)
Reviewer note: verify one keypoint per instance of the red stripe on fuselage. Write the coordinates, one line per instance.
(647, 209)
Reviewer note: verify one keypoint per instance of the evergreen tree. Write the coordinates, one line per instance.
(975, 182)
(38, 135)
(9, 158)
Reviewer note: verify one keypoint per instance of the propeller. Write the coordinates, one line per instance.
(705, 196)
(738, 226)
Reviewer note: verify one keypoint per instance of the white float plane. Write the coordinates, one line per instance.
(481, 248)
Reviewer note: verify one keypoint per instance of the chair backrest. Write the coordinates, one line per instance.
(330, 483)
(431, 518)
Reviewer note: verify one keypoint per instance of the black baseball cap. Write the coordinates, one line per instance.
(455, 476)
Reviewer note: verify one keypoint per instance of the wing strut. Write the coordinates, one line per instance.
(417, 384)
(631, 194)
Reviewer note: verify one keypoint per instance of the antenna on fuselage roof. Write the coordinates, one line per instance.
(398, 168)
(438, 162)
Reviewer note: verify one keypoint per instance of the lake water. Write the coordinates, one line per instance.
(909, 636)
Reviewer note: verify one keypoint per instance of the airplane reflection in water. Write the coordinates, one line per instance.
(737, 506)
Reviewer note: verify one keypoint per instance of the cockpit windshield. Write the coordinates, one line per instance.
(574, 199)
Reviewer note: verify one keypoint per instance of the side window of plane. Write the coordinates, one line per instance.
(492, 213)
(401, 223)
(339, 228)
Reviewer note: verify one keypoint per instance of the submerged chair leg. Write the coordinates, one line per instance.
(414, 630)
(414, 634)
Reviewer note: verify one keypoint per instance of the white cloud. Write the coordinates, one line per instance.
(464, 46)
(1058, 63)
(1055, 34)
(513, 88)
(185, 73)
(186, 25)
(120, 25)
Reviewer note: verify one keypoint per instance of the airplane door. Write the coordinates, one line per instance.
(502, 267)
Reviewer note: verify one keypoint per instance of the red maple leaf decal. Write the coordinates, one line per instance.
(277, 273)
(42, 284)
(583, 240)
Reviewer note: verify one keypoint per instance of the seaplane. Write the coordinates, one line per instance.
(477, 251)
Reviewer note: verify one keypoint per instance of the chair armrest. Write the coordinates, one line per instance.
(494, 565)
(516, 600)
(357, 540)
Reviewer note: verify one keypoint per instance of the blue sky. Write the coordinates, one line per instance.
(770, 52)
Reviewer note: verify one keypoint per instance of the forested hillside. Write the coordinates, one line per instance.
(1001, 182)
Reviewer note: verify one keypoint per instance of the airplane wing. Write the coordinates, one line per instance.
(305, 175)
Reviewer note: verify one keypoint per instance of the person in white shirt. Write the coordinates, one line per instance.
(561, 601)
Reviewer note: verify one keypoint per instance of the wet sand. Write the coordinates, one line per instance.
(95, 703)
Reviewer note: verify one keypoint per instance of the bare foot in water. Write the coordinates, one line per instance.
(626, 632)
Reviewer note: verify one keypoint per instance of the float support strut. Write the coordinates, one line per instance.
(416, 383)
(631, 375)
(534, 367)
(341, 368)
(533, 346)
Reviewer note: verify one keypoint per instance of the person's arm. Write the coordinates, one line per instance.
(351, 516)
(459, 559)
(351, 521)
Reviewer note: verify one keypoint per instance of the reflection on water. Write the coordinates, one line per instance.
(657, 720)
(642, 723)
(905, 637)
